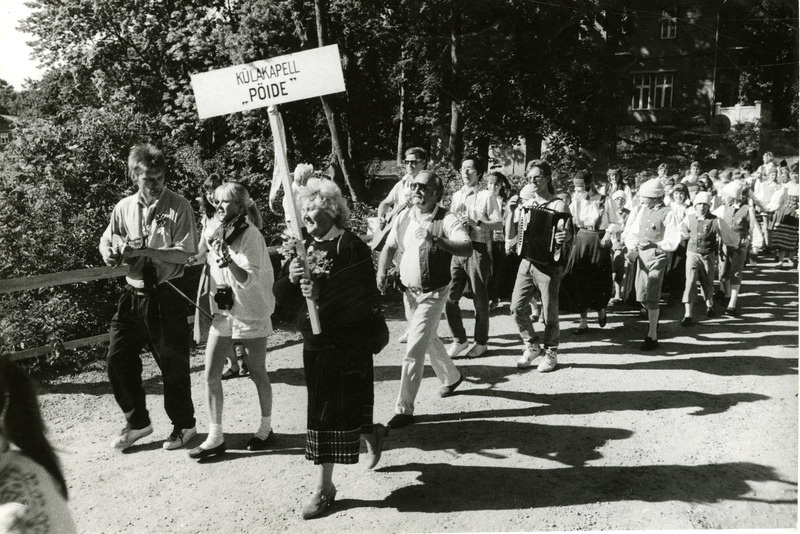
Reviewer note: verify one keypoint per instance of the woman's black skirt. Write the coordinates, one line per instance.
(340, 401)
(587, 279)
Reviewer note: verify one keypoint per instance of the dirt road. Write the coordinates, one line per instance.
(701, 433)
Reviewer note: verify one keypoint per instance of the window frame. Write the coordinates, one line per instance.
(669, 26)
(659, 89)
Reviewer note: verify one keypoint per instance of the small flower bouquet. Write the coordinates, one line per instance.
(319, 264)
(290, 245)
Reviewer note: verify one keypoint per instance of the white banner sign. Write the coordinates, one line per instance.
(268, 82)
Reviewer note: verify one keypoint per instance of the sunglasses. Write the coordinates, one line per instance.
(419, 186)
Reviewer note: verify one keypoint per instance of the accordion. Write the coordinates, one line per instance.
(536, 235)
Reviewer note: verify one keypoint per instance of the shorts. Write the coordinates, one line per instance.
(228, 326)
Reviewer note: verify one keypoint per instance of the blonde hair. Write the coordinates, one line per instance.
(325, 194)
(239, 194)
(302, 173)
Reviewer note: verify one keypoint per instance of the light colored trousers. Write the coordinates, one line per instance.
(423, 312)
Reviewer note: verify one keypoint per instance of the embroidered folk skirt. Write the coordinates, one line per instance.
(340, 402)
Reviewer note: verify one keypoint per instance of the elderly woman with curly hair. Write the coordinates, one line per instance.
(338, 360)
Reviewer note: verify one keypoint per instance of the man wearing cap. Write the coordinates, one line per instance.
(702, 228)
(739, 216)
(653, 235)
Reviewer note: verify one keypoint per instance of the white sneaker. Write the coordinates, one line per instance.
(179, 437)
(456, 348)
(548, 363)
(403, 338)
(475, 350)
(129, 436)
(528, 355)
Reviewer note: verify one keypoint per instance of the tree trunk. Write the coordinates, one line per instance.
(533, 146)
(355, 186)
(455, 144)
(401, 126)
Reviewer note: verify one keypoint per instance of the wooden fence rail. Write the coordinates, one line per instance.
(39, 281)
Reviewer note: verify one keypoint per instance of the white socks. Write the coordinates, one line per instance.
(265, 428)
(215, 437)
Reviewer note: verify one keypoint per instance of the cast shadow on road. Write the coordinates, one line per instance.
(714, 365)
(599, 402)
(443, 488)
(152, 385)
(569, 445)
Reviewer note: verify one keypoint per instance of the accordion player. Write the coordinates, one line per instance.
(536, 233)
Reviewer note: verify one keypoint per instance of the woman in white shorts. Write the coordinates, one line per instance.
(241, 285)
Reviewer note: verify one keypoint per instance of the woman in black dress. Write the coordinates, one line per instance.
(337, 361)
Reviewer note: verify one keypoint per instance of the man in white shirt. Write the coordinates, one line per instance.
(480, 216)
(428, 236)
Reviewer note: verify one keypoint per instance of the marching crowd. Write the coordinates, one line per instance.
(612, 240)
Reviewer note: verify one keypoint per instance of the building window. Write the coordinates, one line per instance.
(4, 138)
(669, 26)
(652, 90)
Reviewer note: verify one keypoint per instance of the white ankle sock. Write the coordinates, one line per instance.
(265, 428)
(215, 437)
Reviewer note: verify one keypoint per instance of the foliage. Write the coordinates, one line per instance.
(745, 136)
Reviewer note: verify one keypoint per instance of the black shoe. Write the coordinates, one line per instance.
(732, 312)
(643, 312)
(400, 420)
(687, 321)
(199, 453)
(602, 321)
(649, 344)
(710, 312)
(318, 504)
(257, 444)
(230, 373)
(446, 391)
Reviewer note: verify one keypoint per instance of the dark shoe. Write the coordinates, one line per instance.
(710, 312)
(615, 302)
(375, 449)
(649, 344)
(257, 444)
(643, 312)
(581, 330)
(243, 370)
(230, 373)
(687, 321)
(602, 320)
(400, 420)
(199, 453)
(732, 312)
(446, 391)
(319, 503)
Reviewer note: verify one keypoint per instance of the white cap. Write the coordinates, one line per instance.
(652, 188)
(702, 198)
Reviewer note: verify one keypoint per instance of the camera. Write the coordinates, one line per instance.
(224, 297)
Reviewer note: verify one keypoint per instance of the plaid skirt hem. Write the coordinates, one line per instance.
(333, 446)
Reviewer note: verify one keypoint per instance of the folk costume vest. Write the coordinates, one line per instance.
(704, 239)
(653, 224)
